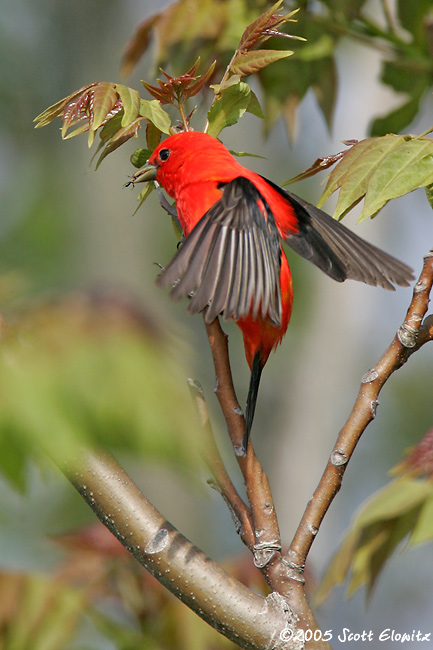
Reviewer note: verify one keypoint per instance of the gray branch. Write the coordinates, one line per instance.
(250, 620)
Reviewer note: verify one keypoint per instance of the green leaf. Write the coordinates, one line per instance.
(229, 107)
(254, 106)
(338, 568)
(403, 507)
(397, 119)
(130, 102)
(396, 498)
(250, 62)
(82, 128)
(241, 154)
(376, 545)
(370, 541)
(429, 194)
(380, 169)
(153, 111)
(121, 136)
(14, 456)
(350, 174)
(325, 87)
(322, 46)
(397, 531)
(95, 373)
(110, 129)
(423, 530)
(414, 16)
(405, 169)
(153, 136)
(145, 192)
(140, 157)
(231, 81)
(42, 613)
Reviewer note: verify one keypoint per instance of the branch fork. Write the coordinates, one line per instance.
(252, 621)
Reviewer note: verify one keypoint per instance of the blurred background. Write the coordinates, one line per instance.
(64, 227)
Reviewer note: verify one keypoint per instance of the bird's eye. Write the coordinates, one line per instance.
(164, 154)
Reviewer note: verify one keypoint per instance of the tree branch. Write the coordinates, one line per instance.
(240, 513)
(281, 575)
(252, 621)
(411, 335)
(267, 540)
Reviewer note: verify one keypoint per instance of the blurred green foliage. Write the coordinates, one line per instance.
(100, 597)
(403, 34)
(92, 371)
(400, 511)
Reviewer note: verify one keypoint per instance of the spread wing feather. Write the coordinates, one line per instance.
(231, 260)
(337, 251)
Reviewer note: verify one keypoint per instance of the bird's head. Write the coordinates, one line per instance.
(183, 157)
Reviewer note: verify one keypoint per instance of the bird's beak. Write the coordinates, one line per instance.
(145, 174)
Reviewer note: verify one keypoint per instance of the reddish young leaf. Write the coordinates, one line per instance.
(419, 461)
(320, 164)
(161, 94)
(199, 85)
(253, 32)
(265, 26)
(177, 90)
(138, 45)
(76, 111)
(57, 109)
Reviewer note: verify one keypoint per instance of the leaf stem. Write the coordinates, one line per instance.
(182, 115)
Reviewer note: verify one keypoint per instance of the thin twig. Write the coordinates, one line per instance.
(412, 334)
(241, 514)
(389, 17)
(266, 530)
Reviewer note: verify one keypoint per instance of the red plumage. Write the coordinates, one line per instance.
(231, 260)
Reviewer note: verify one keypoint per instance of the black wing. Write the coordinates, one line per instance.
(231, 260)
(338, 252)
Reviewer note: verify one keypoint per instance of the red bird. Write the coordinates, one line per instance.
(231, 261)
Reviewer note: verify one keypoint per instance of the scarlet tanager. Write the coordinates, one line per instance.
(231, 261)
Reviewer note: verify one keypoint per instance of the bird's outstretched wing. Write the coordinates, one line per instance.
(338, 252)
(231, 259)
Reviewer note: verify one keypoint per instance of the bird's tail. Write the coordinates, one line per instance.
(256, 373)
